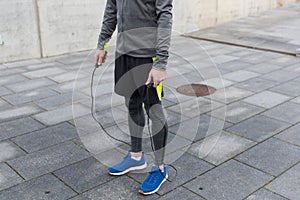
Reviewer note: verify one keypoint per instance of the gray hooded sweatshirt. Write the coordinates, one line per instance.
(144, 28)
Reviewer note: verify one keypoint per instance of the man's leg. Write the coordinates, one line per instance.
(135, 159)
(136, 123)
(159, 130)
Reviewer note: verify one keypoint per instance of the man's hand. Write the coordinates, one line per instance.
(100, 57)
(156, 76)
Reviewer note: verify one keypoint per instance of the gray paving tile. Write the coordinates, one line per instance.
(84, 175)
(258, 128)
(4, 80)
(43, 72)
(185, 163)
(291, 88)
(234, 65)
(241, 75)
(62, 114)
(18, 112)
(46, 137)
(23, 63)
(287, 184)
(195, 107)
(4, 105)
(46, 187)
(119, 188)
(70, 86)
(232, 180)
(230, 94)
(8, 177)
(181, 193)
(60, 100)
(9, 151)
(272, 156)
(48, 160)
(4, 91)
(293, 68)
(18, 127)
(280, 112)
(220, 59)
(197, 128)
(263, 68)
(267, 99)
(67, 76)
(264, 194)
(291, 135)
(256, 84)
(43, 65)
(214, 148)
(255, 58)
(111, 116)
(285, 60)
(29, 96)
(280, 76)
(218, 83)
(6, 72)
(30, 85)
(237, 111)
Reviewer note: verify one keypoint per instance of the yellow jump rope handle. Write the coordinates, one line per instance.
(159, 88)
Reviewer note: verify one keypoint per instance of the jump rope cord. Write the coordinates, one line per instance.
(148, 124)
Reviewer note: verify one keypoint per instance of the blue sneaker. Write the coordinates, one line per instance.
(154, 180)
(126, 165)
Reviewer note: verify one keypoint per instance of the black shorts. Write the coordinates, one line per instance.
(131, 74)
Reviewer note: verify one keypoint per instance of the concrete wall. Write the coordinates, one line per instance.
(42, 28)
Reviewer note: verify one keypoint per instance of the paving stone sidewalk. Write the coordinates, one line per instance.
(247, 147)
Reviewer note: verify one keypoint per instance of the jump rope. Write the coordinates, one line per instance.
(148, 121)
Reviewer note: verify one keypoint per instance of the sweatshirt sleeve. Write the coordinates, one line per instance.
(109, 23)
(164, 30)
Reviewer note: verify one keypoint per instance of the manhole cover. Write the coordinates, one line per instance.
(198, 90)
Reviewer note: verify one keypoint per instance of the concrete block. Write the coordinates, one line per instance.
(29, 96)
(18, 112)
(46, 137)
(280, 112)
(237, 111)
(121, 188)
(65, 26)
(18, 127)
(8, 177)
(43, 72)
(291, 135)
(30, 84)
(62, 114)
(256, 84)
(264, 194)
(214, 148)
(241, 75)
(48, 160)
(231, 180)
(258, 128)
(9, 151)
(84, 175)
(19, 31)
(267, 99)
(44, 187)
(272, 156)
(287, 184)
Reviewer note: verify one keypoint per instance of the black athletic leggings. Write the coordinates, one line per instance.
(136, 121)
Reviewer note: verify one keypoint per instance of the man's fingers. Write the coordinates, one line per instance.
(100, 60)
(149, 79)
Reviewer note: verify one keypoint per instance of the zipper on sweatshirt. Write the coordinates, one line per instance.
(122, 17)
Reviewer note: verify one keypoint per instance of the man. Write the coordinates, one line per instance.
(143, 40)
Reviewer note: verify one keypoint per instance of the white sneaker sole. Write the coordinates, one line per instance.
(144, 166)
(148, 193)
